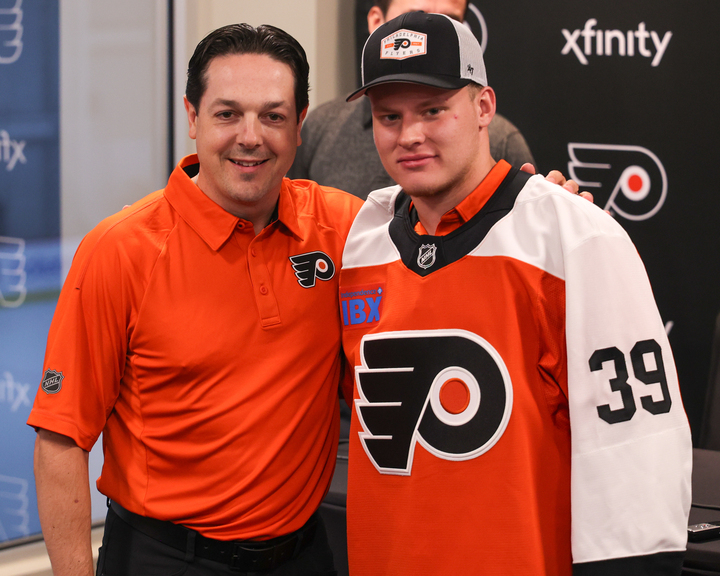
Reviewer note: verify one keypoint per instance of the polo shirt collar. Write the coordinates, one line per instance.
(211, 222)
(287, 209)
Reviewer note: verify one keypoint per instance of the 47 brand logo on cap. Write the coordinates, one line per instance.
(403, 44)
(52, 381)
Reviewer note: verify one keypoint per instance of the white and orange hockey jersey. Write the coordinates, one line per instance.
(516, 410)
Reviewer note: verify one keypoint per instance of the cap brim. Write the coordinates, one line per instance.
(449, 83)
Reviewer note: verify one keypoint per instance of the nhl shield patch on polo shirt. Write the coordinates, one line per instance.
(362, 305)
(52, 381)
(403, 44)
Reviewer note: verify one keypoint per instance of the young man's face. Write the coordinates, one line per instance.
(428, 138)
(246, 131)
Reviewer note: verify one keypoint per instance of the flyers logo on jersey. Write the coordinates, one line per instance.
(630, 180)
(403, 44)
(312, 265)
(448, 390)
(362, 305)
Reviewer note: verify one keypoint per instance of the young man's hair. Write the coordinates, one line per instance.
(245, 39)
(383, 5)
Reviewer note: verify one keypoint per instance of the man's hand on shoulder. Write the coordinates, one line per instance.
(556, 177)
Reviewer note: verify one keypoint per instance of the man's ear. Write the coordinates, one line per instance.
(192, 118)
(300, 123)
(375, 18)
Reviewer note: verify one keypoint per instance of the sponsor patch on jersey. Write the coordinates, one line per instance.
(311, 266)
(362, 306)
(403, 44)
(52, 381)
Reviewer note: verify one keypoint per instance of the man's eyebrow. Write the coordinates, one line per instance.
(235, 104)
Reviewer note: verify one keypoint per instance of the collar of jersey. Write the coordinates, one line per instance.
(211, 222)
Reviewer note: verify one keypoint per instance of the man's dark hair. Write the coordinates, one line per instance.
(244, 39)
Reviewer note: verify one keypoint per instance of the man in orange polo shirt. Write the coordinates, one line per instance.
(199, 331)
(516, 409)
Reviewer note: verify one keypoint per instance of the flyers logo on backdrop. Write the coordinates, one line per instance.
(11, 31)
(475, 21)
(629, 181)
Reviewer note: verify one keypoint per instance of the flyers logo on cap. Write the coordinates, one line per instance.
(403, 44)
(630, 180)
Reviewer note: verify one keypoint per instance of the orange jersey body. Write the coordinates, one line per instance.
(207, 356)
(489, 434)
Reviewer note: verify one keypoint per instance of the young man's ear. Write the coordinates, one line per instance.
(192, 118)
(375, 18)
(486, 105)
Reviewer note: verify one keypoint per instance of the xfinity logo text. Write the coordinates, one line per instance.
(11, 151)
(604, 42)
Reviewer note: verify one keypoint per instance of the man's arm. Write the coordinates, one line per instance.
(63, 493)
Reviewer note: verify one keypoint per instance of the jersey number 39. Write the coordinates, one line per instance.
(620, 382)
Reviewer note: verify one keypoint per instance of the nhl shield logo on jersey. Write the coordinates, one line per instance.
(312, 265)
(52, 381)
(426, 256)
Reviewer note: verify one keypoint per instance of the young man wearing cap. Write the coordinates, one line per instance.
(338, 148)
(516, 406)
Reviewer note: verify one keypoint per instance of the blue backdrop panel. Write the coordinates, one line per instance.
(29, 238)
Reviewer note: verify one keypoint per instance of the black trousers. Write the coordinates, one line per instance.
(126, 551)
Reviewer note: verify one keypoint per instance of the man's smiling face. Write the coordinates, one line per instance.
(246, 130)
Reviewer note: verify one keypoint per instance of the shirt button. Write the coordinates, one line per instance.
(241, 225)
(263, 290)
(252, 252)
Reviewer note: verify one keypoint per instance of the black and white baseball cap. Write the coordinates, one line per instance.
(421, 48)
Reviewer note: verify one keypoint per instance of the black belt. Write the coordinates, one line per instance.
(240, 555)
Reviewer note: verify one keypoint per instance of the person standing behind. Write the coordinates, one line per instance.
(516, 409)
(199, 331)
(338, 148)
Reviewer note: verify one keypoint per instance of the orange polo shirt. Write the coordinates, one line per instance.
(208, 357)
(472, 203)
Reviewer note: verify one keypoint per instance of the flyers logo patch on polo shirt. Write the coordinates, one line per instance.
(312, 265)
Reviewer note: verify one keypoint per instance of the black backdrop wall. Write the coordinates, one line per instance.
(624, 98)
